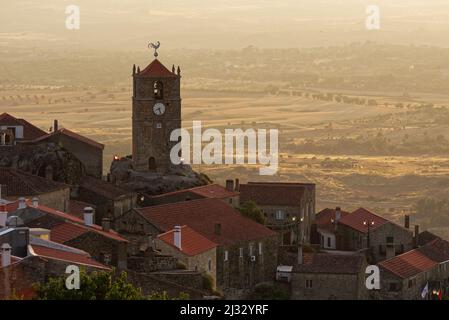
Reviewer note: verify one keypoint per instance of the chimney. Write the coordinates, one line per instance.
(88, 216)
(5, 250)
(230, 184)
(55, 125)
(35, 202)
(416, 236)
(22, 204)
(237, 184)
(337, 214)
(177, 237)
(407, 221)
(3, 216)
(106, 224)
(218, 228)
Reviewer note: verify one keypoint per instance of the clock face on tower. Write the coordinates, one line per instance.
(159, 109)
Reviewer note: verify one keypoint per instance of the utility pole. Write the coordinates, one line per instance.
(368, 224)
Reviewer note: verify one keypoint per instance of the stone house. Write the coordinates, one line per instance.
(37, 261)
(192, 249)
(16, 183)
(87, 151)
(103, 244)
(246, 252)
(363, 229)
(324, 228)
(14, 130)
(329, 276)
(110, 200)
(405, 276)
(211, 191)
(280, 203)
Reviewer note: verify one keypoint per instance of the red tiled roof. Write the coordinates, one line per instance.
(202, 215)
(103, 188)
(356, 219)
(437, 250)
(192, 243)
(408, 264)
(156, 69)
(80, 222)
(207, 191)
(73, 135)
(330, 263)
(76, 208)
(324, 218)
(30, 132)
(20, 183)
(67, 231)
(63, 255)
(288, 194)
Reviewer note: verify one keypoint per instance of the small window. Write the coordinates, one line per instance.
(309, 284)
(280, 215)
(158, 125)
(226, 255)
(241, 252)
(260, 248)
(328, 242)
(158, 90)
(390, 240)
(209, 265)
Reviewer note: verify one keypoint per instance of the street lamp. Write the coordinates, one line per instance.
(298, 242)
(368, 224)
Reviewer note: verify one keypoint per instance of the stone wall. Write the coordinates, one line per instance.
(174, 283)
(99, 246)
(327, 286)
(353, 240)
(198, 262)
(240, 272)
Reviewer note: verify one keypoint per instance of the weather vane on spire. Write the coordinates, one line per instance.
(155, 46)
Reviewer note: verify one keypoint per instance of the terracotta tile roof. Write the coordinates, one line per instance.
(30, 132)
(156, 69)
(71, 219)
(73, 135)
(202, 215)
(286, 194)
(68, 256)
(330, 263)
(19, 183)
(355, 220)
(207, 191)
(103, 188)
(425, 237)
(437, 250)
(76, 208)
(192, 243)
(324, 219)
(408, 264)
(9, 206)
(67, 231)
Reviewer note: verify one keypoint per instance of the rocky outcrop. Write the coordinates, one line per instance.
(45, 159)
(152, 183)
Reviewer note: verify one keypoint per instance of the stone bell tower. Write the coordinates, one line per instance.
(156, 113)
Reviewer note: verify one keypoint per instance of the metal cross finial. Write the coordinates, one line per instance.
(155, 46)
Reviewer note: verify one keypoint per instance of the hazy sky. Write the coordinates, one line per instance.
(129, 24)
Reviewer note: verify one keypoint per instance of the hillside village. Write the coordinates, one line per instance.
(174, 230)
